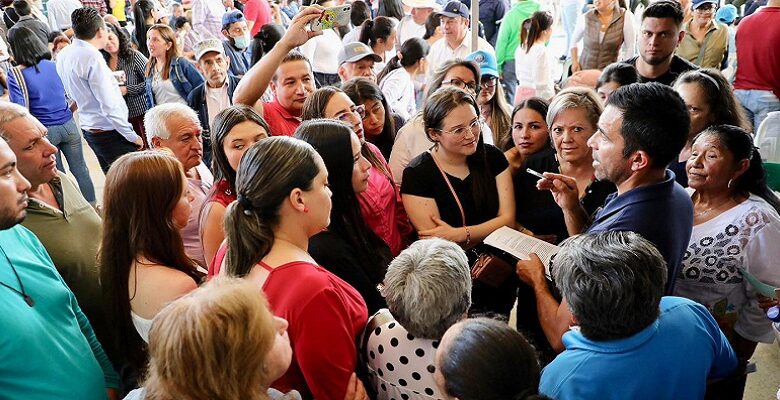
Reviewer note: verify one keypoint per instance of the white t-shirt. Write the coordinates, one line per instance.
(216, 100)
(398, 89)
(408, 29)
(442, 52)
(164, 91)
(534, 70)
(323, 52)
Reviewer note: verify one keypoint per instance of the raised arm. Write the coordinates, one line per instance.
(256, 80)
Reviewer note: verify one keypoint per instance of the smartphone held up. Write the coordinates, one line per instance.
(332, 17)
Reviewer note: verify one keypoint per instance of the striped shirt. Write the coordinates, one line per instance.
(136, 83)
(207, 18)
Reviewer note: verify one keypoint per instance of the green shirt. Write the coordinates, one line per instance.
(71, 236)
(47, 351)
(716, 42)
(509, 32)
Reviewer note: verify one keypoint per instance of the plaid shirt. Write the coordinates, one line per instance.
(207, 18)
(99, 5)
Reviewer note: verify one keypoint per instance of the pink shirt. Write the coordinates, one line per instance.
(382, 209)
(258, 11)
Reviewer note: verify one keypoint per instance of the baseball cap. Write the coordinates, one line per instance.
(455, 9)
(726, 14)
(231, 17)
(697, 3)
(207, 46)
(422, 4)
(486, 61)
(356, 51)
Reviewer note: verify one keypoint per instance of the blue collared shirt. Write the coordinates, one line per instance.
(662, 213)
(89, 81)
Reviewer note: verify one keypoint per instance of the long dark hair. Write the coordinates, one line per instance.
(314, 108)
(125, 51)
(412, 51)
(142, 10)
(489, 360)
(28, 48)
(332, 140)
(362, 89)
(139, 223)
(439, 106)
(537, 104)
(224, 122)
(740, 143)
(374, 29)
(391, 8)
(724, 106)
(431, 23)
(532, 28)
(264, 40)
(268, 172)
(620, 73)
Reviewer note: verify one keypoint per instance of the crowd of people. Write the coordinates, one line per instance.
(294, 213)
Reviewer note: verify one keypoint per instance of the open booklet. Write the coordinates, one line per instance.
(520, 245)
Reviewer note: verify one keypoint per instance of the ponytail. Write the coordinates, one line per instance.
(532, 28)
(269, 171)
(411, 52)
(378, 28)
(251, 238)
(365, 32)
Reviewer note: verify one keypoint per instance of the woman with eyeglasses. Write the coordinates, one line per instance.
(379, 203)
(532, 61)
(706, 41)
(492, 100)
(411, 139)
(461, 189)
(710, 100)
(572, 117)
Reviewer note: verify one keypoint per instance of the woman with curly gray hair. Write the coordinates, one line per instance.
(427, 289)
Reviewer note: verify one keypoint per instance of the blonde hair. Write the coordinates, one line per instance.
(212, 344)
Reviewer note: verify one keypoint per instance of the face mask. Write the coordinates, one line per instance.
(241, 42)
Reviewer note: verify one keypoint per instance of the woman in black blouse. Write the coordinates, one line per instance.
(121, 57)
(348, 248)
(479, 176)
(572, 117)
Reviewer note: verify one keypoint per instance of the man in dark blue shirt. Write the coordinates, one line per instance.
(642, 129)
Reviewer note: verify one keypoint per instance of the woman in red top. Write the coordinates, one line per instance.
(236, 128)
(381, 203)
(283, 200)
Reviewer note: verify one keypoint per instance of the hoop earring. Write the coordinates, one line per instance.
(729, 185)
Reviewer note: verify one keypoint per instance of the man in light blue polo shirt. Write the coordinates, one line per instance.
(47, 347)
(642, 129)
(632, 342)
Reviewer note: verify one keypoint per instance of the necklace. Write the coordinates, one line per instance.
(27, 298)
(708, 210)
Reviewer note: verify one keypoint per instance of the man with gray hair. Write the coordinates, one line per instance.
(613, 283)
(57, 213)
(427, 289)
(177, 127)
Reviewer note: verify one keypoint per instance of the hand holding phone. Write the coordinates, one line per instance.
(332, 17)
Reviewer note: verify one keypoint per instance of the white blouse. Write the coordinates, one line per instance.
(323, 52)
(744, 237)
(534, 70)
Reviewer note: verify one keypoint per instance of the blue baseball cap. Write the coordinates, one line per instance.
(727, 14)
(231, 17)
(455, 8)
(486, 61)
(697, 3)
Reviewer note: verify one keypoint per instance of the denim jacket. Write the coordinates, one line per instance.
(184, 77)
